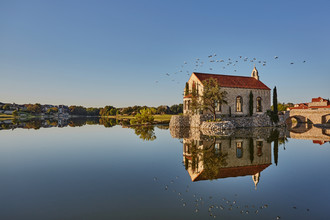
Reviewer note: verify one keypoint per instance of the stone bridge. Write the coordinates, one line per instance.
(311, 116)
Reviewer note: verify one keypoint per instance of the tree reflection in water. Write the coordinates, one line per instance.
(108, 122)
(144, 132)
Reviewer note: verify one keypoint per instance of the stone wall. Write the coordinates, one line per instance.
(233, 93)
(180, 121)
(250, 122)
(199, 134)
(195, 121)
(191, 121)
(217, 126)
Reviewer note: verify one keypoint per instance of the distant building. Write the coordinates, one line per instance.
(315, 112)
(63, 109)
(238, 89)
(46, 107)
(317, 103)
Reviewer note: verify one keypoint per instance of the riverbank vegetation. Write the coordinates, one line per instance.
(161, 113)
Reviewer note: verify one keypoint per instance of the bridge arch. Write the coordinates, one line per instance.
(298, 123)
(325, 119)
(326, 132)
(298, 119)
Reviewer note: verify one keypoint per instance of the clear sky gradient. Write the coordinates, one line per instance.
(97, 53)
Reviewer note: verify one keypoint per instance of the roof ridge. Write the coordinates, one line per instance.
(222, 75)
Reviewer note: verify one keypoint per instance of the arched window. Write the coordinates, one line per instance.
(259, 106)
(218, 148)
(239, 104)
(217, 106)
(239, 150)
(259, 148)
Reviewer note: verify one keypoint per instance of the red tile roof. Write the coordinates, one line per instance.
(234, 172)
(233, 81)
(319, 142)
(301, 106)
(319, 99)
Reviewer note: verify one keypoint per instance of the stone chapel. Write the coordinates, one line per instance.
(238, 89)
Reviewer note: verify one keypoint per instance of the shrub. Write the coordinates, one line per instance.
(144, 117)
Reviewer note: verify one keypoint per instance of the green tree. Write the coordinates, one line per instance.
(52, 110)
(77, 110)
(145, 116)
(212, 95)
(275, 111)
(35, 109)
(176, 109)
(195, 101)
(186, 89)
(92, 111)
(113, 111)
(6, 107)
(106, 110)
(251, 104)
(162, 109)
(15, 113)
(127, 111)
(251, 149)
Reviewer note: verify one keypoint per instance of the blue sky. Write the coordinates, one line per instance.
(97, 53)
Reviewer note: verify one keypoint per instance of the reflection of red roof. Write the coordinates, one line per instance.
(188, 157)
(234, 172)
(233, 81)
(319, 142)
(187, 96)
(328, 106)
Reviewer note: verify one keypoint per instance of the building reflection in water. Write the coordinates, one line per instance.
(240, 152)
(222, 157)
(305, 131)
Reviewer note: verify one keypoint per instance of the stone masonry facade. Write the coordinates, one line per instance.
(237, 88)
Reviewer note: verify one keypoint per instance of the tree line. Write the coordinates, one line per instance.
(108, 110)
(131, 110)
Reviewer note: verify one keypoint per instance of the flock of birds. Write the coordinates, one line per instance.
(211, 60)
(215, 205)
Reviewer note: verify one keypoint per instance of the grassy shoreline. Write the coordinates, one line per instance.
(158, 118)
(4, 117)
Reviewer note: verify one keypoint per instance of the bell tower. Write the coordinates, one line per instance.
(256, 178)
(254, 73)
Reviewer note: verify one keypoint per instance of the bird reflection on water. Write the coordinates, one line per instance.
(246, 152)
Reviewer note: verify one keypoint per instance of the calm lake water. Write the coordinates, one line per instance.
(112, 172)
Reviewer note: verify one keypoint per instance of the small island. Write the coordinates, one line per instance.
(214, 102)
